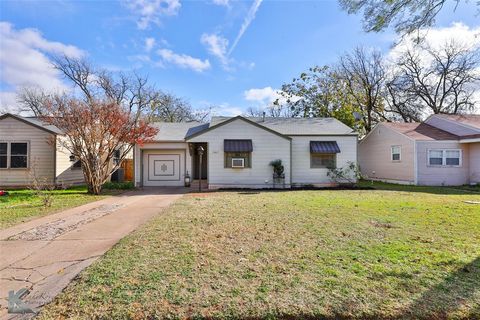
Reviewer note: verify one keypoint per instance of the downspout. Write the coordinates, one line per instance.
(291, 164)
(415, 161)
(54, 159)
(134, 165)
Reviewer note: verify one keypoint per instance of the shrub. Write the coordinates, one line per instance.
(119, 185)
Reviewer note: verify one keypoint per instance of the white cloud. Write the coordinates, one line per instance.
(436, 38)
(150, 11)
(24, 61)
(246, 23)
(183, 60)
(265, 95)
(225, 3)
(149, 44)
(217, 46)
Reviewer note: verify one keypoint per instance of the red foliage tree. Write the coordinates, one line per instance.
(99, 134)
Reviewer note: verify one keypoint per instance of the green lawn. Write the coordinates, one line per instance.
(23, 205)
(393, 252)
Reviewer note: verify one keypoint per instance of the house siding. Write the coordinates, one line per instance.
(65, 174)
(41, 153)
(474, 162)
(442, 176)
(374, 156)
(267, 146)
(303, 174)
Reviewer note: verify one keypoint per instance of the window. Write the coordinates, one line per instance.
(323, 160)
(235, 159)
(3, 154)
(77, 164)
(14, 155)
(448, 157)
(396, 150)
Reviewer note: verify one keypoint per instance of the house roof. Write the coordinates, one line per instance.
(177, 131)
(420, 131)
(296, 126)
(34, 121)
(472, 120)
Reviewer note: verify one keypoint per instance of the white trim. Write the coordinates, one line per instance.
(444, 158)
(238, 159)
(470, 140)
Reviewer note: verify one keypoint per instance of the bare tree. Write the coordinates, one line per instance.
(170, 108)
(430, 80)
(363, 73)
(104, 115)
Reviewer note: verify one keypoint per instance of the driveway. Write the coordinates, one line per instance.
(45, 254)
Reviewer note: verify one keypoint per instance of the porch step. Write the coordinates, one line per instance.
(195, 184)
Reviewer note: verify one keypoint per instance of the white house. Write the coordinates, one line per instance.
(30, 148)
(238, 151)
(443, 150)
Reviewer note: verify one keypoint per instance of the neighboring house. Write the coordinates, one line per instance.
(443, 150)
(30, 148)
(238, 151)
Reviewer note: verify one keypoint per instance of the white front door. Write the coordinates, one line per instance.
(163, 167)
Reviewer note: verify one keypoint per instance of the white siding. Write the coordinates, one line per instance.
(160, 147)
(302, 174)
(267, 146)
(374, 156)
(474, 162)
(66, 175)
(41, 153)
(438, 176)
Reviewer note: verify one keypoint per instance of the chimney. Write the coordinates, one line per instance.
(263, 120)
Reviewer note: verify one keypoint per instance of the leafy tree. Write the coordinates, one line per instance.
(363, 74)
(405, 16)
(319, 92)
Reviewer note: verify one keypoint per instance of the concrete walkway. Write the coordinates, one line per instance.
(45, 254)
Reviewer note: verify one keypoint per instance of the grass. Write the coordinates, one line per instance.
(393, 252)
(23, 205)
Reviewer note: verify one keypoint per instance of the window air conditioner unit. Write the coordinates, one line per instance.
(238, 163)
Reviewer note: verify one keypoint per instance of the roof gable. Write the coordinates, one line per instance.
(35, 122)
(217, 124)
(419, 131)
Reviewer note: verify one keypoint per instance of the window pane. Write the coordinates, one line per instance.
(435, 161)
(18, 161)
(452, 153)
(323, 160)
(396, 156)
(18, 148)
(435, 154)
(3, 148)
(3, 161)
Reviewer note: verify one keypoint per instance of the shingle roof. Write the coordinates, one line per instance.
(468, 119)
(420, 131)
(177, 131)
(297, 126)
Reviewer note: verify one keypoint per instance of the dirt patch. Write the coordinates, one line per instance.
(51, 230)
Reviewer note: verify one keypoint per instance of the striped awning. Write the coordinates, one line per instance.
(324, 147)
(237, 146)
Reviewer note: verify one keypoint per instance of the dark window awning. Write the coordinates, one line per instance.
(324, 147)
(237, 146)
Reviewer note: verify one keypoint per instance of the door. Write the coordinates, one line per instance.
(163, 168)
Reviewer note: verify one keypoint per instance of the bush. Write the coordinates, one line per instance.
(119, 185)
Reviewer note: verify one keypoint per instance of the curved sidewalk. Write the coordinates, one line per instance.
(45, 254)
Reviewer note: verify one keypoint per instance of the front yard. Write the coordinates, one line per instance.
(395, 252)
(23, 205)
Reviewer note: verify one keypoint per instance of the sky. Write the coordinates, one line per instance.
(228, 54)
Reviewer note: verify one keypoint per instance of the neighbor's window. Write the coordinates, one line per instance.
(18, 155)
(3, 154)
(234, 159)
(323, 160)
(448, 157)
(396, 150)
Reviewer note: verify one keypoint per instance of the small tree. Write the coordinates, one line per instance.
(348, 174)
(96, 132)
(41, 187)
